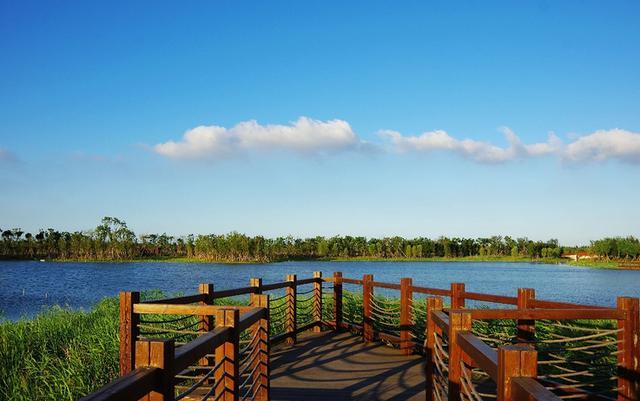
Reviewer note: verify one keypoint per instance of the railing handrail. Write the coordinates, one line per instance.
(529, 388)
(188, 299)
(485, 357)
(133, 385)
(178, 309)
(441, 319)
(476, 296)
(540, 314)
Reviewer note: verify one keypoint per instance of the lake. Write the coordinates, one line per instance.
(28, 286)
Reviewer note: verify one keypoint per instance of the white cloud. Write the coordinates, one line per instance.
(303, 136)
(605, 144)
(309, 136)
(476, 150)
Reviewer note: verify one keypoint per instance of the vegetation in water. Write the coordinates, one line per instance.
(112, 240)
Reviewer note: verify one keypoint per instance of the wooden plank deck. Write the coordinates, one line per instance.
(339, 366)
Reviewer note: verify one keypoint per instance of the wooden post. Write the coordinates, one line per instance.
(458, 321)
(337, 300)
(257, 284)
(526, 328)
(514, 361)
(206, 321)
(291, 308)
(367, 295)
(629, 349)
(159, 354)
(227, 376)
(262, 328)
(433, 304)
(128, 331)
(457, 295)
(317, 301)
(406, 300)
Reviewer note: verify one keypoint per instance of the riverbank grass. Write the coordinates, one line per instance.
(59, 354)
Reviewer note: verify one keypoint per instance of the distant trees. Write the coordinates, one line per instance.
(617, 248)
(113, 240)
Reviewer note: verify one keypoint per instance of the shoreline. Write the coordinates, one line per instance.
(594, 264)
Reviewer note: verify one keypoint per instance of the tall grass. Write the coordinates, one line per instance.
(59, 354)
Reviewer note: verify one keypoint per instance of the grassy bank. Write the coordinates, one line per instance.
(59, 354)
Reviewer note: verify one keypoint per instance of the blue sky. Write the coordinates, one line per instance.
(371, 118)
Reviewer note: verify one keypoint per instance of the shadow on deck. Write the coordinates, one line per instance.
(339, 366)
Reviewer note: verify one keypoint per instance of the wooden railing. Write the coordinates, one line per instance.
(190, 348)
(159, 366)
(193, 348)
(532, 349)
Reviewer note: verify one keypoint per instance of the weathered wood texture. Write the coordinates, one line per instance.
(514, 361)
(367, 294)
(317, 301)
(433, 304)
(458, 321)
(457, 295)
(292, 310)
(158, 354)
(339, 366)
(227, 377)
(406, 301)
(337, 299)
(206, 321)
(629, 349)
(128, 331)
(261, 329)
(526, 328)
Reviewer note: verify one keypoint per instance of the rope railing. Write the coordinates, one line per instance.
(563, 351)
(305, 292)
(575, 357)
(275, 299)
(198, 383)
(441, 367)
(471, 380)
(352, 308)
(580, 356)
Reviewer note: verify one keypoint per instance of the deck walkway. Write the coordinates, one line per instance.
(339, 366)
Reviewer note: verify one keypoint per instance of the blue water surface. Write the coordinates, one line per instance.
(28, 286)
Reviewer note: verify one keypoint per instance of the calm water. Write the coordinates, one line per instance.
(27, 287)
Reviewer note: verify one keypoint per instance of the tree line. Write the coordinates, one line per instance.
(617, 248)
(113, 240)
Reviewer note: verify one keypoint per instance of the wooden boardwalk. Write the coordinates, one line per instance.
(339, 366)
(218, 363)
